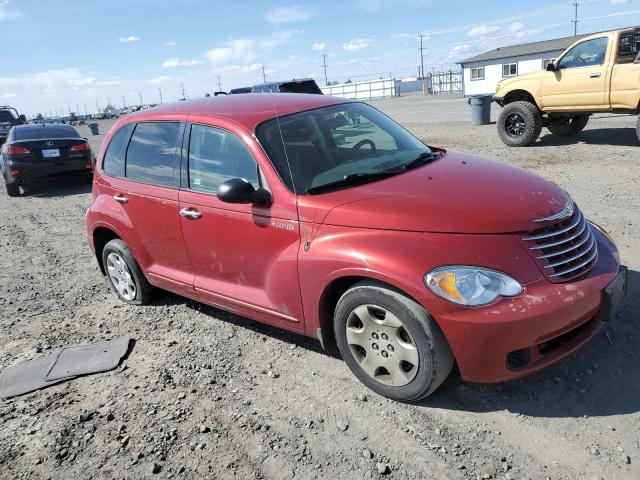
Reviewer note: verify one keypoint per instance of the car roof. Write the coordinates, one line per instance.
(247, 109)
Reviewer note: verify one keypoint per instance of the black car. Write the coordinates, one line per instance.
(35, 152)
(9, 118)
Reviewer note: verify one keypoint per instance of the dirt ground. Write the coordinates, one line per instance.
(207, 394)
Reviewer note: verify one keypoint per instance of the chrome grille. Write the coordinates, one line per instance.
(566, 249)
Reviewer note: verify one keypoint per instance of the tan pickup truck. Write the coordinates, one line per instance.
(598, 73)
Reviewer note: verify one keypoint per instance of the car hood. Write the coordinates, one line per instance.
(458, 193)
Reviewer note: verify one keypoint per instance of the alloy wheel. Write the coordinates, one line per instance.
(515, 125)
(121, 276)
(382, 345)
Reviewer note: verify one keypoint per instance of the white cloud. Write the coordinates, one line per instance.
(516, 27)
(241, 49)
(160, 79)
(179, 62)
(251, 68)
(617, 2)
(319, 46)
(5, 12)
(357, 44)
(400, 36)
(9, 95)
(482, 30)
(377, 5)
(291, 14)
(171, 44)
(130, 38)
(81, 82)
(458, 50)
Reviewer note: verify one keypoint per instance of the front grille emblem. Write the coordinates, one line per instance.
(566, 212)
(49, 143)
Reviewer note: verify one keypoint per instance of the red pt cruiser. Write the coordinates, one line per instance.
(325, 217)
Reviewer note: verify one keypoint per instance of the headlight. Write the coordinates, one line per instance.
(471, 286)
(614, 248)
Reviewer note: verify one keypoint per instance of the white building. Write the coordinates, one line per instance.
(482, 72)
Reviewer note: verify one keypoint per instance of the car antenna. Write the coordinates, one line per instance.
(307, 243)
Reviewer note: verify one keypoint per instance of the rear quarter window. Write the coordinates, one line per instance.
(113, 163)
(152, 153)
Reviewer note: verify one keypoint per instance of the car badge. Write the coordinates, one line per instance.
(566, 212)
(49, 143)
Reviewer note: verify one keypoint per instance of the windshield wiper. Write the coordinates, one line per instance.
(352, 179)
(424, 157)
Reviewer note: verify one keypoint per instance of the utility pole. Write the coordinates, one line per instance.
(324, 63)
(77, 109)
(184, 95)
(124, 103)
(264, 75)
(160, 92)
(421, 56)
(219, 84)
(575, 19)
(97, 107)
(140, 96)
(85, 109)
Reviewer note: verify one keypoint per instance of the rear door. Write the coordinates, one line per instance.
(581, 79)
(141, 174)
(625, 74)
(245, 256)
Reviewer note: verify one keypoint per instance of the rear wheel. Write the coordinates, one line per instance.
(565, 126)
(638, 128)
(124, 274)
(13, 190)
(519, 124)
(390, 342)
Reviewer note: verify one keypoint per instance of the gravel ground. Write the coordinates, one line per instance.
(208, 394)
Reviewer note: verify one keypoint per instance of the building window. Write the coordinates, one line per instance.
(546, 62)
(509, 69)
(477, 73)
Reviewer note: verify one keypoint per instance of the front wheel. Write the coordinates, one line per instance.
(390, 342)
(13, 190)
(519, 124)
(638, 128)
(124, 274)
(567, 126)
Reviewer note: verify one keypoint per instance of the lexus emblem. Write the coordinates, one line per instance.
(49, 143)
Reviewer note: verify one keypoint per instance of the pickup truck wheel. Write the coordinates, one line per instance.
(519, 124)
(124, 274)
(390, 342)
(638, 128)
(12, 189)
(567, 126)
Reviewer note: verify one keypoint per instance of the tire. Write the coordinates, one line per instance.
(638, 128)
(124, 274)
(567, 126)
(414, 358)
(13, 190)
(519, 124)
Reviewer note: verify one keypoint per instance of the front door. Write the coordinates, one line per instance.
(580, 79)
(245, 259)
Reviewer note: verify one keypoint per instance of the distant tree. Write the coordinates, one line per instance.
(348, 81)
(39, 117)
(109, 108)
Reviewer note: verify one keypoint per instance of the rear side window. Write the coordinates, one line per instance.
(113, 163)
(216, 156)
(152, 153)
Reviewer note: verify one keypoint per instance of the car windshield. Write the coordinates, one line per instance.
(37, 132)
(330, 144)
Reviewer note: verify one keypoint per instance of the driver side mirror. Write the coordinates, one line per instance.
(238, 190)
(551, 67)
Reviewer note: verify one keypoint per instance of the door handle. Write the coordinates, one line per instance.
(190, 213)
(120, 198)
(595, 75)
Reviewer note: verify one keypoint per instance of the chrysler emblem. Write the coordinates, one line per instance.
(566, 212)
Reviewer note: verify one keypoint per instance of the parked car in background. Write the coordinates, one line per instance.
(598, 73)
(303, 85)
(37, 152)
(408, 257)
(9, 117)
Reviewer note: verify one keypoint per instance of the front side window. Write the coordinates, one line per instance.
(509, 69)
(586, 54)
(332, 144)
(215, 156)
(477, 73)
(113, 163)
(152, 153)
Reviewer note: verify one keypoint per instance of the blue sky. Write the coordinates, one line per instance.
(59, 54)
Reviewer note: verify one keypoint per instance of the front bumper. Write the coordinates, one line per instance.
(31, 171)
(519, 336)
